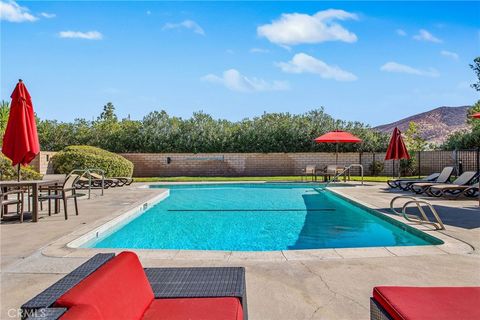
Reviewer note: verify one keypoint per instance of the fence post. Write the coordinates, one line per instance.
(373, 172)
(478, 161)
(418, 161)
(455, 157)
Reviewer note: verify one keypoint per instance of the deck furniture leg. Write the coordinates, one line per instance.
(35, 203)
(65, 205)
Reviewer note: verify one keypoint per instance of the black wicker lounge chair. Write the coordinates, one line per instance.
(444, 177)
(167, 284)
(405, 184)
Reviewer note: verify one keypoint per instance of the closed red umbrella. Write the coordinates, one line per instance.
(337, 136)
(396, 148)
(20, 142)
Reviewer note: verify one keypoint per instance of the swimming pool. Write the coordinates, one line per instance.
(258, 217)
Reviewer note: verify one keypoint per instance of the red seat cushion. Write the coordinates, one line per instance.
(118, 290)
(81, 312)
(429, 302)
(195, 309)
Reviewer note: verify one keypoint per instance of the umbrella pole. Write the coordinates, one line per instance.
(18, 172)
(336, 153)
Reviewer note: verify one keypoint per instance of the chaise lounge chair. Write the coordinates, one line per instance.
(444, 177)
(472, 191)
(453, 189)
(439, 303)
(108, 287)
(405, 184)
(97, 180)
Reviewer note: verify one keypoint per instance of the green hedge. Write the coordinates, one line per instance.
(87, 157)
(7, 172)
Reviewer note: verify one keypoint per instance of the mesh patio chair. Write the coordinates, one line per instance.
(63, 192)
(6, 201)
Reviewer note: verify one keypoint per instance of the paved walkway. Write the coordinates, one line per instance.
(293, 289)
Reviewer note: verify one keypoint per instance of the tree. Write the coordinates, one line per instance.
(413, 139)
(414, 143)
(108, 113)
(469, 138)
(4, 113)
(476, 67)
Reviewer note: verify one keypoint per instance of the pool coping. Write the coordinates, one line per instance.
(67, 246)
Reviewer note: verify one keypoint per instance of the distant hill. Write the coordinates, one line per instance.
(434, 125)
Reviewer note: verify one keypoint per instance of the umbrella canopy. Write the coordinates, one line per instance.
(20, 142)
(476, 115)
(337, 136)
(396, 148)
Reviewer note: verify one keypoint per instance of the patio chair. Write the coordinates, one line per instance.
(330, 171)
(439, 303)
(310, 170)
(63, 192)
(455, 188)
(405, 184)
(444, 177)
(59, 177)
(6, 201)
(109, 287)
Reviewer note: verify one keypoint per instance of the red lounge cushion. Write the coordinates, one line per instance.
(437, 303)
(118, 290)
(195, 309)
(81, 312)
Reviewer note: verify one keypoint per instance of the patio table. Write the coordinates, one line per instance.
(34, 184)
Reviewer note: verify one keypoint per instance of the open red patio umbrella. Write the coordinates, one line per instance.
(337, 136)
(396, 148)
(20, 141)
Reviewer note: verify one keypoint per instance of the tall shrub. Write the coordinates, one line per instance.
(88, 157)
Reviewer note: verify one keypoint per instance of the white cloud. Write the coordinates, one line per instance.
(424, 35)
(303, 63)
(401, 32)
(187, 24)
(90, 35)
(259, 50)
(298, 28)
(11, 11)
(402, 68)
(48, 15)
(449, 54)
(234, 80)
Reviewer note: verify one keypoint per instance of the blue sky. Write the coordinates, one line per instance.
(374, 62)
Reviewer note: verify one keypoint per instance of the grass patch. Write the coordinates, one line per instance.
(273, 178)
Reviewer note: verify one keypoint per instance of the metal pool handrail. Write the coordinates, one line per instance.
(345, 170)
(415, 219)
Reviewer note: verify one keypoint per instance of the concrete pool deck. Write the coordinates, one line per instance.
(318, 284)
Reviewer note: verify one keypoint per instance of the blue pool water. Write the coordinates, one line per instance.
(258, 217)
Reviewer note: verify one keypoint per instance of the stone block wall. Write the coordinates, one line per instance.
(267, 164)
